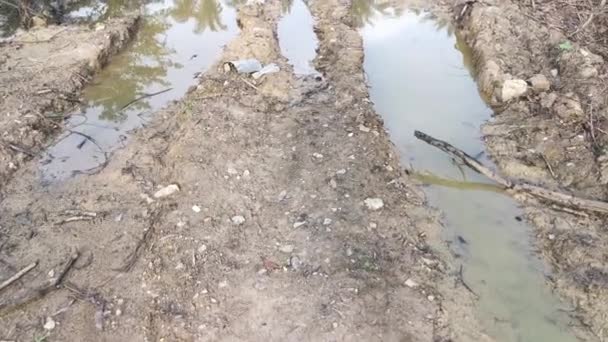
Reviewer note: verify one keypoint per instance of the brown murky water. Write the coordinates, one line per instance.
(177, 40)
(419, 79)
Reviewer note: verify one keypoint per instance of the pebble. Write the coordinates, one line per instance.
(327, 222)
(373, 225)
(512, 89)
(374, 203)
(431, 298)
(294, 262)
(222, 284)
(317, 155)
(202, 248)
(540, 83)
(51, 273)
(49, 324)
(410, 283)
(246, 174)
(551, 236)
(167, 191)
(299, 224)
(232, 171)
(341, 172)
(335, 325)
(196, 208)
(287, 248)
(364, 129)
(554, 72)
(238, 220)
(282, 195)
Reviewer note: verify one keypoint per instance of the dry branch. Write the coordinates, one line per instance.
(18, 275)
(557, 197)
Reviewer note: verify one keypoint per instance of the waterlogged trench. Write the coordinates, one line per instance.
(419, 79)
(176, 40)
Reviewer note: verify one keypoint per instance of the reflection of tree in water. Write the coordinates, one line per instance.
(130, 74)
(364, 10)
(206, 13)
(286, 6)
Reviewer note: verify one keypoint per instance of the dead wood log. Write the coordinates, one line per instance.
(556, 197)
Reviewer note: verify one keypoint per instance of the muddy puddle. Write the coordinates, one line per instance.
(419, 79)
(297, 39)
(177, 40)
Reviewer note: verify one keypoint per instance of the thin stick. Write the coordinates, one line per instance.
(18, 275)
(557, 197)
(145, 96)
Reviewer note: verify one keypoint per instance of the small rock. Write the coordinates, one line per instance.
(246, 174)
(232, 171)
(374, 203)
(286, 248)
(568, 108)
(167, 191)
(196, 208)
(333, 184)
(327, 222)
(431, 298)
(551, 236)
(341, 172)
(410, 283)
(222, 284)
(364, 129)
(349, 252)
(238, 220)
(299, 224)
(512, 89)
(588, 72)
(547, 100)
(335, 325)
(202, 248)
(295, 262)
(282, 195)
(317, 155)
(373, 225)
(118, 218)
(51, 273)
(554, 72)
(540, 83)
(180, 266)
(49, 324)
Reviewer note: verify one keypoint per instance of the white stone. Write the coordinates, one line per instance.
(317, 155)
(410, 283)
(327, 222)
(238, 220)
(341, 172)
(167, 191)
(49, 324)
(512, 89)
(196, 208)
(374, 203)
(299, 224)
(287, 248)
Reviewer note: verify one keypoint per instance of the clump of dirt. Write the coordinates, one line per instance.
(41, 73)
(279, 220)
(551, 128)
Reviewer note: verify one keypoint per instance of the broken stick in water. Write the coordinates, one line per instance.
(557, 197)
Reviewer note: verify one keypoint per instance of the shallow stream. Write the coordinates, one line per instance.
(419, 78)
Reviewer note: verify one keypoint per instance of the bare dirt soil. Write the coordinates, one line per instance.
(553, 131)
(290, 222)
(41, 74)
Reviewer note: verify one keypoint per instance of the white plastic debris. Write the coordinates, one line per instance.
(267, 69)
(243, 66)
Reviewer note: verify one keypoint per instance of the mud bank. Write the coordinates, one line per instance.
(290, 222)
(550, 128)
(41, 74)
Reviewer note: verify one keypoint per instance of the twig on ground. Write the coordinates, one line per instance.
(249, 83)
(38, 293)
(132, 258)
(548, 166)
(18, 275)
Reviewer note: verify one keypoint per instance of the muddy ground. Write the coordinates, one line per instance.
(290, 223)
(555, 132)
(41, 74)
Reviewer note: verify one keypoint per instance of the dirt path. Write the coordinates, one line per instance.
(291, 223)
(41, 74)
(552, 130)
